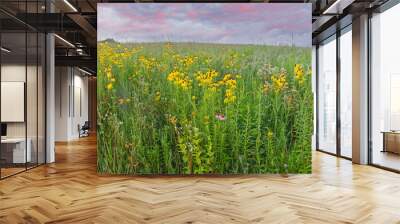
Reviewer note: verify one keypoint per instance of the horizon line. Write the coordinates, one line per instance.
(195, 42)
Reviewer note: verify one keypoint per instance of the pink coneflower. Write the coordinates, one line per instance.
(220, 117)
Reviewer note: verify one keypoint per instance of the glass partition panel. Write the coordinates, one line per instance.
(327, 96)
(385, 89)
(22, 64)
(31, 97)
(14, 153)
(346, 93)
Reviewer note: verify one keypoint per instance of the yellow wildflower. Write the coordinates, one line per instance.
(108, 72)
(279, 82)
(187, 61)
(270, 134)
(147, 62)
(227, 77)
(231, 83)
(229, 96)
(109, 86)
(158, 96)
(185, 83)
(173, 75)
(299, 73)
(180, 79)
(206, 79)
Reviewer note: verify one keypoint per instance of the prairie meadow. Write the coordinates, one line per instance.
(194, 108)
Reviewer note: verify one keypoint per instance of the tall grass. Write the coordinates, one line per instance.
(169, 108)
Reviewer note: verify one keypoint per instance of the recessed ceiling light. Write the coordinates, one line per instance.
(64, 40)
(5, 50)
(333, 6)
(84, 71)
(70, 5)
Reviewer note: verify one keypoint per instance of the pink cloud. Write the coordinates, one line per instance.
(231, 23)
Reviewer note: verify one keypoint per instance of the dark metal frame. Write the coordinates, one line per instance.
(338, 75)
(316, 97)
(369, 90)
(44, 70)
(0, 87)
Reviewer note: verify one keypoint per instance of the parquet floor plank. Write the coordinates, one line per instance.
(70, 191)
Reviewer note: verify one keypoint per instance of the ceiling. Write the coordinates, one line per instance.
(332, 15)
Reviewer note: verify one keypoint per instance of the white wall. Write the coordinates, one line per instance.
(70, 83)
(13, 72)
(62, 82)
(81, 85)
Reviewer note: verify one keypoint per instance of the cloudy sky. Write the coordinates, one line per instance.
(273, 24)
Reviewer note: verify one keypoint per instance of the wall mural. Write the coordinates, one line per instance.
(204, 88)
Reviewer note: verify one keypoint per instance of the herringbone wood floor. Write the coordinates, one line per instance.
(70, 191)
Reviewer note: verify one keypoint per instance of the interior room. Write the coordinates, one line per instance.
(22, 104)
(385, 106)
(51, 123)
